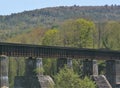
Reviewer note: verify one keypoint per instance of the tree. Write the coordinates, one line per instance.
(51, 37)
(66, 78)
(111, 36)
(78, 33)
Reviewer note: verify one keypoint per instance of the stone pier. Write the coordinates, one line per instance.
(90, 67)
(30, 80)
(95, 67)
(113, 72)
(4, 82)
(69, 63)
(34, 77)
(61, 62)
(39, 66)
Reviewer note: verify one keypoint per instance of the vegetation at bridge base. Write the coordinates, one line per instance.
(67, 78)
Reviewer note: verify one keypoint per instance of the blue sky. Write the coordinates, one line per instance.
(14, 6)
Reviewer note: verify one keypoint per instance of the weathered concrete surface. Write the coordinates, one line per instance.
(39, 66)
(95, 67)
(4, 87)
(69, 63)
(61, 63)
(111, 72)
(19, 82)
(90, 67)
(33, 78)
(33, 82)
(101, 81)
(26, 82)
(46, 82)
(4, 83)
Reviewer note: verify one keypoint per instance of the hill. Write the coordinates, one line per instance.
(52, 17)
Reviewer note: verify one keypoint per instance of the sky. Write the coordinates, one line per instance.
(8, 7)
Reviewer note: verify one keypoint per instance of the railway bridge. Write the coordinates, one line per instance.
(64, 55)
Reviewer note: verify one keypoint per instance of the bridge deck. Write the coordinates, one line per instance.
(29, 50)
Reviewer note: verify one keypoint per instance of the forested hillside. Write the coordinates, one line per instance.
(49, 17)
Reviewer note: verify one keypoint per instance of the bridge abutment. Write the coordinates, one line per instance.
(4, 82)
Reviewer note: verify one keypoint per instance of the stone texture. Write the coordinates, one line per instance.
(95, 67)
(60, 63)
(4, 83)
(90, 67)
(26, 82)
(33, 79)
(46, 82)
(19, 82)
(33, 82)
(101, 81)
(111, 72)
(69, 63)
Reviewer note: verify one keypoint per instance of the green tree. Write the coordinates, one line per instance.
(51, 37)
(66, 78)
(78, 33)
(50, 66)
(111, 36)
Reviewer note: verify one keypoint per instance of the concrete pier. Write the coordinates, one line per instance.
(30, 80)
(4, 82)
(30, 67)
(34, 77)
(90, 67)
(39, 66)
(113, 72)
(95, 67)
(61, 63)
(69, 63)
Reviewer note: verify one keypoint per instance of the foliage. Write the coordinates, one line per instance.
(34, 36)
(78, 33)
(111, 36)
(51, 37)
(39, 70)
(102, 67)
(66, 78)
(50, 66)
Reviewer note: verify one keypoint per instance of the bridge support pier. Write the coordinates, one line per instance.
(4, 83)
(39, 66)
(113, 72)
(34, 77)
(90, 67)
(69, 63)
(61, 62)
(30, 80)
